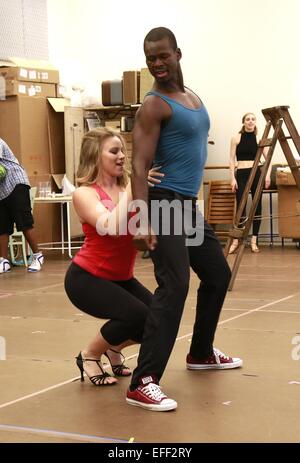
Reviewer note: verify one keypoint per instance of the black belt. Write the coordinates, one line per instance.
(164, 193)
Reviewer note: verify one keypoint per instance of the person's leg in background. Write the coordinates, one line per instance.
(242, 178)
(256, 222)
(31, 239)
(4, 261)
(20, 206)
(6, 228)
(4, 238)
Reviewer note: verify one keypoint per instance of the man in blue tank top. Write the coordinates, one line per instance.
(170, 132)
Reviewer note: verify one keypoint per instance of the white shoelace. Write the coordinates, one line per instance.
(218, 354)
(154, 392)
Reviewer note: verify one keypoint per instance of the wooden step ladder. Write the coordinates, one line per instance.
(275, 118)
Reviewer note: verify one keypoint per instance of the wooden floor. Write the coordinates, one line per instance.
(42, 399)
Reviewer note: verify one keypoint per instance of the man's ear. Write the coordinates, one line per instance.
(179, 54)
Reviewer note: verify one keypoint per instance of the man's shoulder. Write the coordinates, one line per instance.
(154, 103)
(4, 149)
(152, 98)
(2, 142)
(1, 147)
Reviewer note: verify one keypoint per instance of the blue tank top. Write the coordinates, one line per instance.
(182, 148)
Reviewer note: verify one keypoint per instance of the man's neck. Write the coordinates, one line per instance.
(168, 88)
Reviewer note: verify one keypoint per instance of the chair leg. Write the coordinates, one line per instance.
(11, 250)
(18, 242)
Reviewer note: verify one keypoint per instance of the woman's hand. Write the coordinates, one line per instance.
(153, 174)
(267, 183)
(145, 242)
(234, 185)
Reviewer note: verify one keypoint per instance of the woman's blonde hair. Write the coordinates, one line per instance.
(243, 120)
(90, 155)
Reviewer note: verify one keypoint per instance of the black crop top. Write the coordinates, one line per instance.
(247, 147)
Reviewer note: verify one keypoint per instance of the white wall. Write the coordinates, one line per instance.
(239, 55)
(23, 29)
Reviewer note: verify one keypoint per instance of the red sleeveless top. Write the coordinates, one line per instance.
(109, 257)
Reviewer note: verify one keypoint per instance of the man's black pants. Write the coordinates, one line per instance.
(172, 261)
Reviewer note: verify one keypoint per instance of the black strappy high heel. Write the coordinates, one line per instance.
(97, 380)
(118, 370)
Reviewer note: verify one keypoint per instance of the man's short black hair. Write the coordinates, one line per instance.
(159, 33)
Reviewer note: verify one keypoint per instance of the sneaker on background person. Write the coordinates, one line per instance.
(217, 361)
(149, 395)
(37, 262)
(4, 265)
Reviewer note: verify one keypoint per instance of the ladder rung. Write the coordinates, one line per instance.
(266, 142)
(269, 141)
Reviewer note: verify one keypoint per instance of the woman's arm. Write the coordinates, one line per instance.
(232, 164)
(268, 176)
(91, 210)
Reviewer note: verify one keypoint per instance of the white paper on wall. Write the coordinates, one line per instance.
(23, 73)
(31, 91)
(22, 89)
(32, 75)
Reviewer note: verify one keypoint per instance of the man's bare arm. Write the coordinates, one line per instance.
(145, 138)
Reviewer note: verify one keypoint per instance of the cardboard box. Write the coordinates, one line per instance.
(74, 131)
(46, 216)
(112, 92)
(128, 139)
(113, 124)
(128, 142)
(285, 177)
(127, 123)
(75, 224)
(29, 70)
(24, 127)
(131, 87)
(31, 89)
(60, 91)
(288, 210)
(146, 83)
(34, 130)
(56, 134)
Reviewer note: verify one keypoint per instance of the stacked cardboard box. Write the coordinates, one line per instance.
(146, 83)
(128, 140)
(112, 92)
(130, 90)
(15, 88)
(288, 205)
(131, 87)
(34, 131)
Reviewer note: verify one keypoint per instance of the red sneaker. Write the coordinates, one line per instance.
(217, 361)
(148, 395)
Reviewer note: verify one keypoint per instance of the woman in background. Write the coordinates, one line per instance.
(243, 150)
